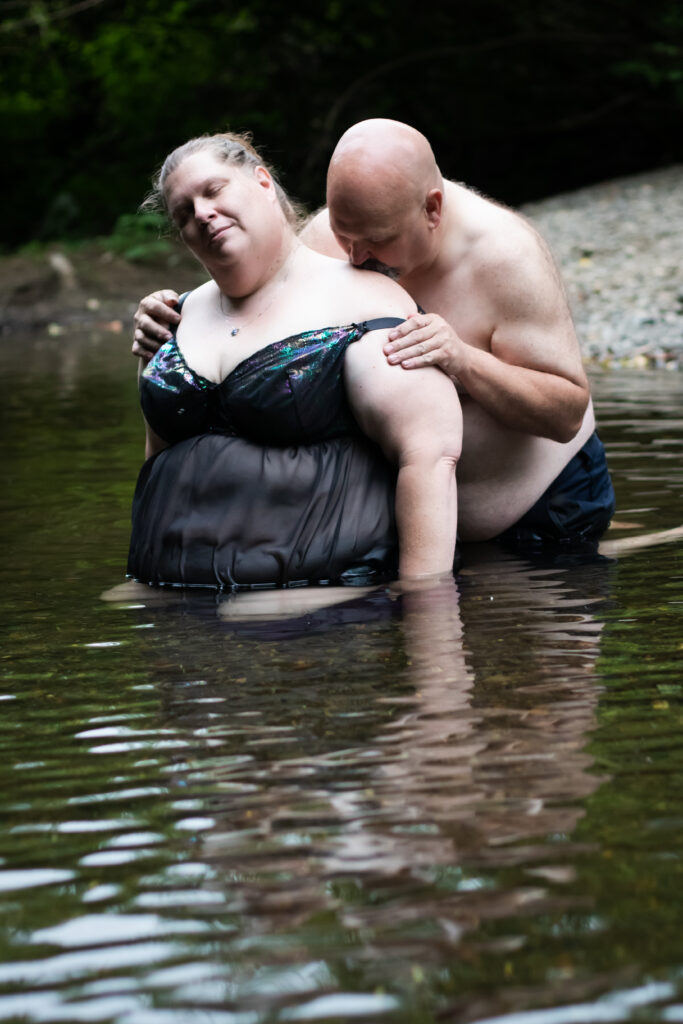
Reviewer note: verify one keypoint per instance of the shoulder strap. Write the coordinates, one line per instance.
(181, 300)
(380, 323)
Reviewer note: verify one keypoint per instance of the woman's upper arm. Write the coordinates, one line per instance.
(406, 412)
(153, 443)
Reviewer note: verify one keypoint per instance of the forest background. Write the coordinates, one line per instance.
(521, 100)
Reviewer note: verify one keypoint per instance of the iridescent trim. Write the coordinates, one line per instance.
(313, 343)
(169, 361)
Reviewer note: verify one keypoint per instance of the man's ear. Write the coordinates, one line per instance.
(433, 207)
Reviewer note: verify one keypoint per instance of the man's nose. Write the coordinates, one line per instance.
(358, 253)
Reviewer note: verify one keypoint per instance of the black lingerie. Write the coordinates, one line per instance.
(268, 480)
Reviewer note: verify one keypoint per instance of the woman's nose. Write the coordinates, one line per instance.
(204, 210)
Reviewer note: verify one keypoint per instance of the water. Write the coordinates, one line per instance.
(460, 806)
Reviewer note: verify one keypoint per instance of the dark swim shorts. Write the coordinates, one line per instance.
(576, 508)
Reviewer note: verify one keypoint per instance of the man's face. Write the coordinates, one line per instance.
(377, 242)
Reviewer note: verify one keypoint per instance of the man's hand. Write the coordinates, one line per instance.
(425, 339)
(153, 318)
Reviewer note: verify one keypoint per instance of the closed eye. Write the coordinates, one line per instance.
(180, 215)
(212, 188)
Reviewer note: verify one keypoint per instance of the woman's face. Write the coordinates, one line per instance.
(222, 211)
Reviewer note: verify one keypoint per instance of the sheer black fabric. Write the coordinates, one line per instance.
(269, 481)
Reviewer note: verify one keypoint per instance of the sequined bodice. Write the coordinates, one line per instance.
(290, 392)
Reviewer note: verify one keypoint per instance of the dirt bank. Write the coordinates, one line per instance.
(85, 285)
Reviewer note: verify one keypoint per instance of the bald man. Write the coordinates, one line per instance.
(532, 468)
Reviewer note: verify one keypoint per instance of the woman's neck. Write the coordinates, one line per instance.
(241, 285)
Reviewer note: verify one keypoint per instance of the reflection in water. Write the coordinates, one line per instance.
(381, 794)
(450, 805)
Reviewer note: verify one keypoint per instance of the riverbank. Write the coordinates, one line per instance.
(83, 286)
(618, 244)
(620, 248)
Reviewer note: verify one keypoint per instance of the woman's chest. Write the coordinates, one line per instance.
(215, 346)
(288, 392)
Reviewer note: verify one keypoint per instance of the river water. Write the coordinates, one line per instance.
(461, 806)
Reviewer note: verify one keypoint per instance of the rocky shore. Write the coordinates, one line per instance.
(619, 245)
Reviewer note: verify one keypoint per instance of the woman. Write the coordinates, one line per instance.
(257, 471)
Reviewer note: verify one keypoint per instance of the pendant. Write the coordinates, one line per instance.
(234, 331)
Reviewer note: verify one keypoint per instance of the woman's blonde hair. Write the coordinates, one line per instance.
(232, 147)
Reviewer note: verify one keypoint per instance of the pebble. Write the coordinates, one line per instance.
(619, 246)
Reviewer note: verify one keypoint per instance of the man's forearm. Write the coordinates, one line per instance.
(530, 401)
(536, 388)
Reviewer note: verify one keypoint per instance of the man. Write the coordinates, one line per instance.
(532, 467)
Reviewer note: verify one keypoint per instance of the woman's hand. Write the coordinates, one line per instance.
(153, 319)
(425, 339)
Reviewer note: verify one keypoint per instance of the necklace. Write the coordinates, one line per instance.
(235, 330)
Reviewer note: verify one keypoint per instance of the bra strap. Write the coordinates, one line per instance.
(380, 324)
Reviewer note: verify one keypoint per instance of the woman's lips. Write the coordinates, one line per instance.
(220, 232)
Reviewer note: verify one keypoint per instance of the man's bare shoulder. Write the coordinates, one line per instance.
(317, 234)
(509, 253)
(496, 234)
(509, 266)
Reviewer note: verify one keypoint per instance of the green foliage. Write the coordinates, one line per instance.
(519, 100)
(139, 237)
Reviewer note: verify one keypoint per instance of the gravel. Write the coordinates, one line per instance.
(620, 249)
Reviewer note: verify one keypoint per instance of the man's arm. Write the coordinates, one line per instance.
(416, 419)
(153, 320)
(532, 379)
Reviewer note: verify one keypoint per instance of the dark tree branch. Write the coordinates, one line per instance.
(568, 124)
(48, 16)
(324, 139)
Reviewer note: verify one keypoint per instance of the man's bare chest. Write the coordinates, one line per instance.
(461, 303)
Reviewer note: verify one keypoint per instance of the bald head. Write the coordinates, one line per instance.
(385, 194)
(381, 164)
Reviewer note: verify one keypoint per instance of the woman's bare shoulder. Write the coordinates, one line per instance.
(368, 294)
(194, 300)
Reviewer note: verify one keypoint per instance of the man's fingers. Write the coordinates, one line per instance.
(164, 299)
(157, 308)
(416, 343)
(150, 327)
(151, 310)
(417, 333)
(142, 350)
(153, 322)
(419, 355)
(143, 346)
(414, 322)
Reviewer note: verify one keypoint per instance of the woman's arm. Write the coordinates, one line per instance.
(153, 443)
(416, 419)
